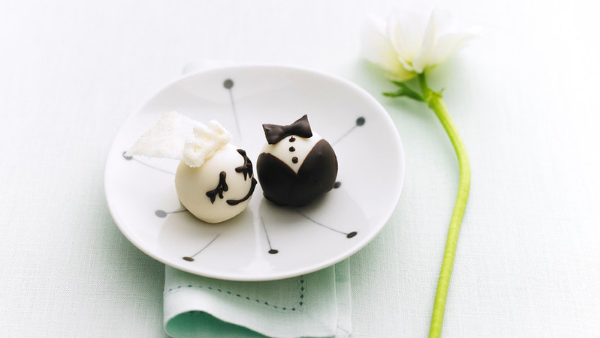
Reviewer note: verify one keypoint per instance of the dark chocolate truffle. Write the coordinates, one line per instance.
(295, 178)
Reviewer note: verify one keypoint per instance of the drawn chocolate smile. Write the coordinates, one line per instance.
(250, 192)
(246, 170)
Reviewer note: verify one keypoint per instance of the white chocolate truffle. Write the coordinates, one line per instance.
(214, 180)
(219, 189)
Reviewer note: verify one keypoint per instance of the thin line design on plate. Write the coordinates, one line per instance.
(348, 234)
(228, 84)
(271, 250)
(358, 123)
(163, 214)
(191, 258)
(131, 158)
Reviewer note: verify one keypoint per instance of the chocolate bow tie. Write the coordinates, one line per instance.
(275, 133)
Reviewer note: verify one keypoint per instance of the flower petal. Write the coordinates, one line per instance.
(412, 40)
(450, 38)
(406, 29)
(377, 48)
(439, 23)
(448, 44)
(401, 76)
(427, 47)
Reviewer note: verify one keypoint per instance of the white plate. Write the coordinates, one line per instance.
(265, 242)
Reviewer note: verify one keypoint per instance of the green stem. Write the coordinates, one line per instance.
(436, 103)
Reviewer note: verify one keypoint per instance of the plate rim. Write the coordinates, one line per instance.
(277, 276)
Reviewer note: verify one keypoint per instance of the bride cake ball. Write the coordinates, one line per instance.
(214, 180)
(296, 166)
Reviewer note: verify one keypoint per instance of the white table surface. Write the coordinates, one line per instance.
(525, 97)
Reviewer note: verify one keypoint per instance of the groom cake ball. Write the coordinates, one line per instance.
(296, 166)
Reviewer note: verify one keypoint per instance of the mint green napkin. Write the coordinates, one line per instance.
(313, 305)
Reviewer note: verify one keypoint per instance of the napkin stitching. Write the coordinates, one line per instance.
(240, 296)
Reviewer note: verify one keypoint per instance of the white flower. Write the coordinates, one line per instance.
(411, 41)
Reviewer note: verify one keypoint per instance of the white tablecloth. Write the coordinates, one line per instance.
(524, 97)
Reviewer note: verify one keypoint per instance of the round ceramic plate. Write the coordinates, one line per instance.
(265, 242)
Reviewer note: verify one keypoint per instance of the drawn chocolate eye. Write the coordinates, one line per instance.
(221, 187)
(245, 168)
